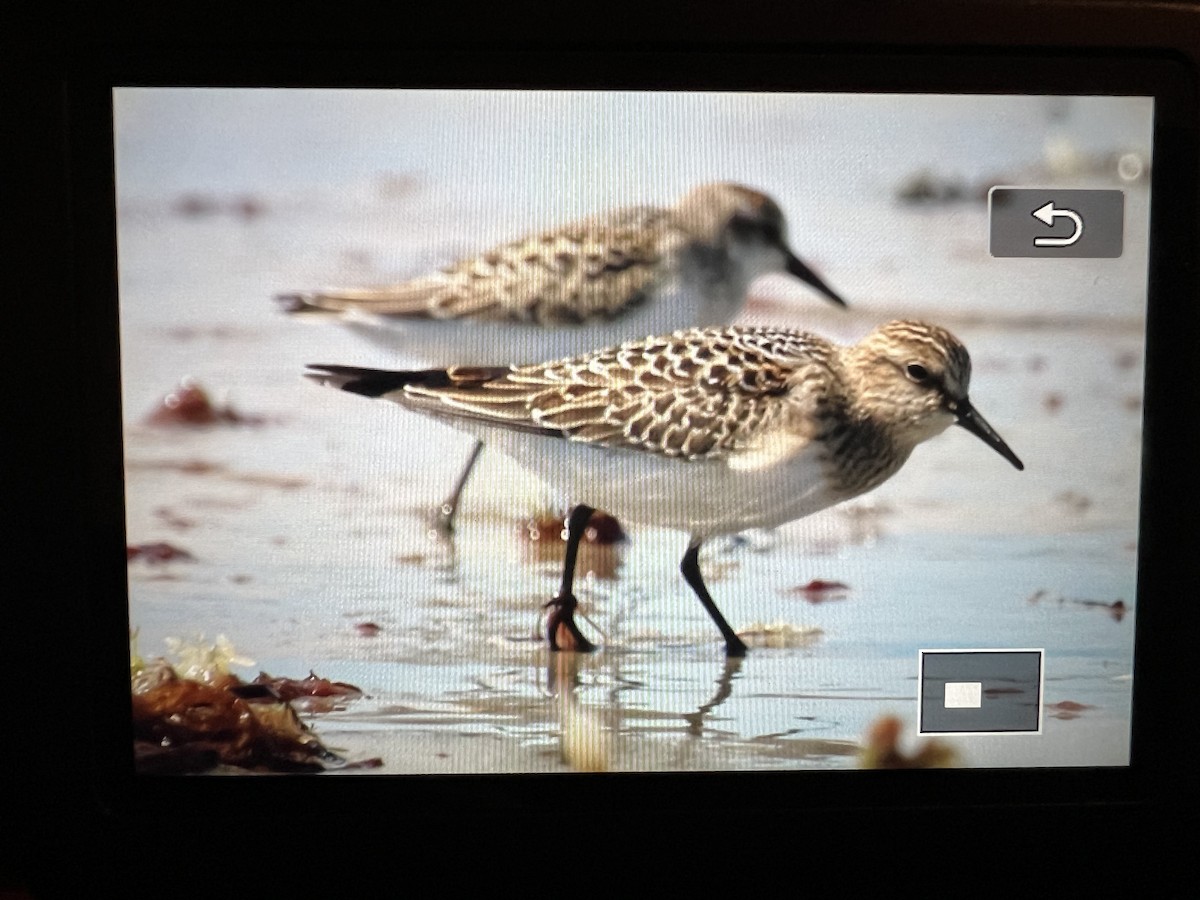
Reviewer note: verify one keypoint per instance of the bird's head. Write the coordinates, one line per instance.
(913, 378)
(751, 226)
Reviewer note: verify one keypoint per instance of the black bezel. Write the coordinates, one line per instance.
(1166, 570)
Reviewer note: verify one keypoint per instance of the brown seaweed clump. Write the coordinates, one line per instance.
(601, 528)
(197, 716)
(190, 405)
(599, 551)
(186, 726)
(882, 749)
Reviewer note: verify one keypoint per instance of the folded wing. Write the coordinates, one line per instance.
(597, 269)
(696, 394)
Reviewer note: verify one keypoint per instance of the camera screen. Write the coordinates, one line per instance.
(479, 431)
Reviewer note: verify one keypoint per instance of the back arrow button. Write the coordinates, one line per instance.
(1048, 214)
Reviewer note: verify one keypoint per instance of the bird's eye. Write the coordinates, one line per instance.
(753, 226)
(772, 232)
(917, 372)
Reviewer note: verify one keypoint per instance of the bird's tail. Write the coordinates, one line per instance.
(304, 304)
(378, 382)
(410, 299)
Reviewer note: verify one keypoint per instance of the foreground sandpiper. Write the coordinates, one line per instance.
(708, 431)
(615, 276)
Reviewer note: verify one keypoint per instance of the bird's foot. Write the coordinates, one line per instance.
(561, 630)
(441, 519)
(734, 647)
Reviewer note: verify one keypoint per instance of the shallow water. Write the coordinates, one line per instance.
(304, 531)
(314, 520)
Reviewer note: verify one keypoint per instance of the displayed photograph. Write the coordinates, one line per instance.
(494, 432)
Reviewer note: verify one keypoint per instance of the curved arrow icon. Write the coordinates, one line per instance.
(1048, 214)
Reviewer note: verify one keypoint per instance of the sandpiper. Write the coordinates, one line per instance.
(615, 276)
(707, 431)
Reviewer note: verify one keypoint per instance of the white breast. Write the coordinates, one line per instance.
(701, 498)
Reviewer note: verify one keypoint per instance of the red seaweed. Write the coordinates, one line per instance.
(1067, 709)
(819, 591)
(190, 404)
(159, 552)
(312, 694)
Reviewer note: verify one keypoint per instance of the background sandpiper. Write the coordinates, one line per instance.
(567, 290)
(707, 431)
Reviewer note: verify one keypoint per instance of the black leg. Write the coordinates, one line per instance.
(690, 567)
(561, 630)
(444, 514)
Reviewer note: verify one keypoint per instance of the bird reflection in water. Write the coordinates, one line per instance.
(588, 735)
(586, 742)
(695, 720)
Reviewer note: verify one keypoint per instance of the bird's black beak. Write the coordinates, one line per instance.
(795, 266)
(969, 419)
